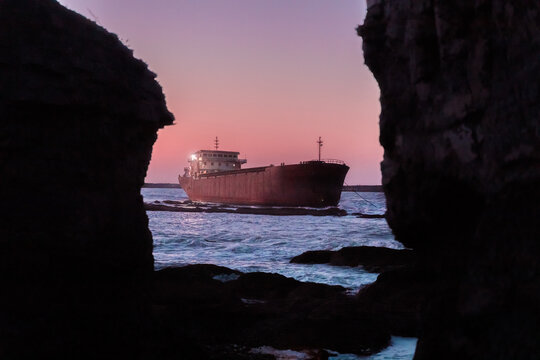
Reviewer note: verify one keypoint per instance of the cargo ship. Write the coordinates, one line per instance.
(217, 176)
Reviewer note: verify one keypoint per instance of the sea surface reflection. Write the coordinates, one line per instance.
(267, 243)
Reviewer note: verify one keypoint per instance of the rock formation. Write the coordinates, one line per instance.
(78, 118)
(203, 309)
(371, 258)
(460, 127)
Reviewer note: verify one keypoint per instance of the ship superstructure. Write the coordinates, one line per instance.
(213, 161)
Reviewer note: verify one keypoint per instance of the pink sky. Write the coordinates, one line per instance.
(265, 76)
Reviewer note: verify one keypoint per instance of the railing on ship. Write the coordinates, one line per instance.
(228, 172)
(334, 161)
(328, 161)
(262, 168)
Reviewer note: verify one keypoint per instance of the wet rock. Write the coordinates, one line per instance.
(259, 309)
(461, 169)
(314, 257)
(188, 206)
(175, 202)
(333, 211)
(78, 118)
(399, 299)
(373, 259)
(369, 216)
(290, 354)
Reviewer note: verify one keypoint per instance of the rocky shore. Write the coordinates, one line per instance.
(398, 299)
(218, 307)
(189, 206)
(373, 259)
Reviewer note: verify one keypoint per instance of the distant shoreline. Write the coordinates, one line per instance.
(359, 188)
(363, 188)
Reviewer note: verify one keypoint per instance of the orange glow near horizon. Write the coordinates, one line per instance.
(267, 77)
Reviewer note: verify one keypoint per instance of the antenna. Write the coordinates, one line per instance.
(320, 142)
(216, 143)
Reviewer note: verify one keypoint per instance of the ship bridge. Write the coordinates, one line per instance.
(211, 161)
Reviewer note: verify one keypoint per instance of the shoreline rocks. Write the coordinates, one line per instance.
(259, 309)
(188, 206)
(399, 297)
(373, 259)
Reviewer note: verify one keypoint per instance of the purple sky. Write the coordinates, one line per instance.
(266, 76)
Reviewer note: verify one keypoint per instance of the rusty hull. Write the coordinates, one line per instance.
(313, 184)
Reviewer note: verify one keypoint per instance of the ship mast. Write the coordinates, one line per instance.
(216, 143)
(320, 142)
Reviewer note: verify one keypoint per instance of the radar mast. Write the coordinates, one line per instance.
(320, 142)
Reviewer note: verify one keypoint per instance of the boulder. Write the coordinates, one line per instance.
(256, 309)
(371, 258)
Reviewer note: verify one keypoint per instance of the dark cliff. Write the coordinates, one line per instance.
(78, 118)
(460, 127)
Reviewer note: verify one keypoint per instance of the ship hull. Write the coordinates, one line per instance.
(313, 184)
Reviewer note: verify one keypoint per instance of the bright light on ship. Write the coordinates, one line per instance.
(193, 157)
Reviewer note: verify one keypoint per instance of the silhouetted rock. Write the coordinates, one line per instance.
(399, 299)
(78, 118)
(374, 259)
(314, 257)
(370, 216)
(461, 171)
(257, 309)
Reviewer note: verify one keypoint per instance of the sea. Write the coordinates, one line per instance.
(266, 243)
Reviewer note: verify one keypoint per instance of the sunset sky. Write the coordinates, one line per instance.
(268, 77)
